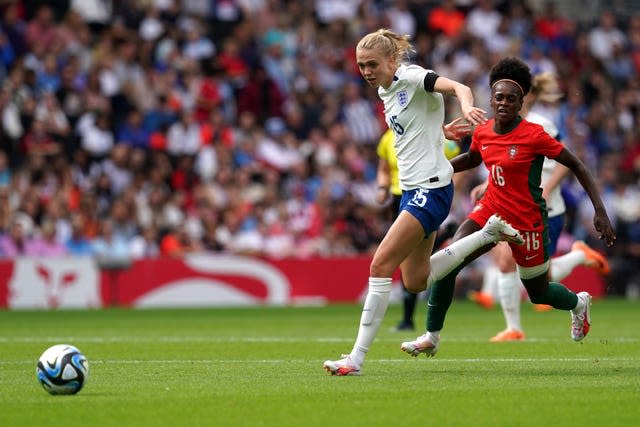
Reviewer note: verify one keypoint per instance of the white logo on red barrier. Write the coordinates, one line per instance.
(54, 283)
(205, 289)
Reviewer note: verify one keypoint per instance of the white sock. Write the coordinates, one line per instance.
(579, 306)
(490, 281)
(563, 265)
(446, 260)
(509, 293)
(375, 306)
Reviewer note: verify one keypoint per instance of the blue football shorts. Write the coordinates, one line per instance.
(555, 225)
(429, 206)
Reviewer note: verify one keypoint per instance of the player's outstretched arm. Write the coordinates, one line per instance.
(465, 161)
(457, 129)
(473, 115)
(601, 220)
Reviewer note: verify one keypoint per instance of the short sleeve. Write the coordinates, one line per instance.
(547, 145)
(415, 75)
(430, 81)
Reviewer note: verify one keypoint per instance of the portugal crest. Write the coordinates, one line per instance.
(403, 98)
(513, 150)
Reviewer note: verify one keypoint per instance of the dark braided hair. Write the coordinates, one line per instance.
(512, 68)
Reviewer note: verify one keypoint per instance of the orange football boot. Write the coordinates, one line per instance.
(482, 299)
(508, 335)
(595, 259)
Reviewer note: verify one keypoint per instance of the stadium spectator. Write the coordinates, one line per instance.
(151, 26)
(184, 136)
(93, 97)
(96, 13)
(179, 242)
(13, 241)
(45, 243)
(38, 142)
(159, 117)
(625, 263)
(235, 67)
(41, 30)
(68, 93)
(78, 244)
(278, 149)
(56, 123)
(605, 36)
(445, 18)
(110, 249)
(115, 169)
(7, 54)
(196, 46)
(620, 66)
(483, 20)
(549, 23)
(329, 11)
(519, 20)
(359, 115)
(261, 96)
(132, 132)
(14, 28)
(48, 78)
(122, 215)
(74, 36)
(155, 209)
(399, 18)
(56, 211)
(145, 244)
(5, 171)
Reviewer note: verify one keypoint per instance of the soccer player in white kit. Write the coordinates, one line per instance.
(414, 110)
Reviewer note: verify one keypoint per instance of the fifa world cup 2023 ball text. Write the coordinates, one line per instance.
(62, 369)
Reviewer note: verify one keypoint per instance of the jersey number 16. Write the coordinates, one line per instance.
(496, 175)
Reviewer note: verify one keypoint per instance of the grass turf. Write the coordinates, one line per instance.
(263, 367)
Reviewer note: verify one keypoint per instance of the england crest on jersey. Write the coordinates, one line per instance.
(403, 98)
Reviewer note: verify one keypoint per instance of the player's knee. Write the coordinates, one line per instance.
(506, 265)
(415, 284)
(381, 268)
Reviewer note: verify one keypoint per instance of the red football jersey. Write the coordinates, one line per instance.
(514, 161)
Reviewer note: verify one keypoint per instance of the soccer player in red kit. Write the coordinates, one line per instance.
(514, 191)
(513, 151)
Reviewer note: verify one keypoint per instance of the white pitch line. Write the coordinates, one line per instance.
(308, 361)
(196, 339)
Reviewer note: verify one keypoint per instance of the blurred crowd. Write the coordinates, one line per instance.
(146, 128)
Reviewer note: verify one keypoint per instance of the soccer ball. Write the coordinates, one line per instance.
(62, 369)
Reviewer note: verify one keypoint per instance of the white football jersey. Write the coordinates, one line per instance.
(416, 117)
(555, 204)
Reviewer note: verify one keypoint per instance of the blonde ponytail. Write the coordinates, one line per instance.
(389, 43)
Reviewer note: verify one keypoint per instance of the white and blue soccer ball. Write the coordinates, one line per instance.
(62, 369)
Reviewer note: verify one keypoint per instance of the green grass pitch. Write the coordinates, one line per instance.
(263, 367)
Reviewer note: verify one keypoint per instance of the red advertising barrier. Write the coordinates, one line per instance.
(236, 280)
(198, 280)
